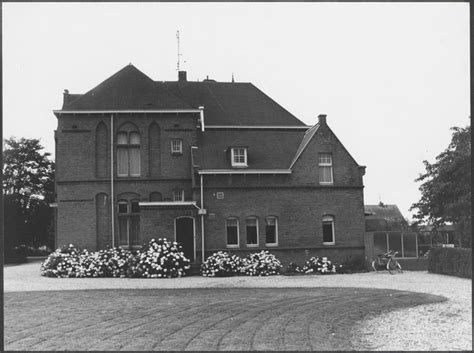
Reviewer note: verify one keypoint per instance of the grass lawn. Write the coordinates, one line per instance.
(195, 319)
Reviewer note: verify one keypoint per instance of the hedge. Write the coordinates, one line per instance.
(451, 261)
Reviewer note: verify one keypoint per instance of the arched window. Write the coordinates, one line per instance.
(232, 225)
(271, 231)
(252, 231)
(156, 196)
(129, 223)
(328, 230)
(128, 151)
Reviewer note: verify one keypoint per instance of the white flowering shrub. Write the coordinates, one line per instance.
(157, 259)
(261, 264)
(63, 262)
(114, 262)
(319, 265)
(221, 264)
(161, 258)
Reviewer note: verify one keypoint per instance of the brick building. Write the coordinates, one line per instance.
(214, 165)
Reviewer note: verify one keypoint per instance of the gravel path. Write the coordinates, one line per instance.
(443, 326)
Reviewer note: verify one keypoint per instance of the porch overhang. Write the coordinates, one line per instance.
(168, 204)
(243, 171)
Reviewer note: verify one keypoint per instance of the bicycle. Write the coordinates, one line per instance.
(387, 261)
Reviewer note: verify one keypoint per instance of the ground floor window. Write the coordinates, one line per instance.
(252, 231)
(232, 225)
(271, 231)
(328, 230)
(129, 223)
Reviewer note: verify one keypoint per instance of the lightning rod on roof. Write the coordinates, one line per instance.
(177, 38)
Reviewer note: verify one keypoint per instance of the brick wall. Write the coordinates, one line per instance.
(299, 213)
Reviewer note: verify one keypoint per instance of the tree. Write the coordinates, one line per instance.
(446, 187)
(28, 186)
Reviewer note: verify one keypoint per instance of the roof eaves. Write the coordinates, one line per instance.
(311, 132)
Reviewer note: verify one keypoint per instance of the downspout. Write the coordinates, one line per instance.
(193, 178)
(112, 177)
(201, 112)
(202, 219)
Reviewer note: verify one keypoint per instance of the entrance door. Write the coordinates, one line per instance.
(184, 230)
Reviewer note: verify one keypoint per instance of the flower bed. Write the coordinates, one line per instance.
(221, 264)
(156, 259)
(160, 259)
(261, 264)
(257, 264)
(319, 265)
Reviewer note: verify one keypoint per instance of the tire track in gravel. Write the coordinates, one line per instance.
(197, 319)
(234, 325)
(237, 304)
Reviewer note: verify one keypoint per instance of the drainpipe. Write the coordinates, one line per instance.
(202, 219)
(201, 112)
(112, 177)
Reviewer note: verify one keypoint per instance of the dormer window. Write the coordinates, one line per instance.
(239, 156)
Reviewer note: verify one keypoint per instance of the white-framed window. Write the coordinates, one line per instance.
(129, 223)
(252, 231)
(328, 230)
(325, 168)
(178, 195)
(176, 146)
(232, 227)
(271, 231)
(239, 156)
(128, 152)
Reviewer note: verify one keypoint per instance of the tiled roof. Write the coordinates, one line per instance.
(267, 149)
(383, 217)
(224, 103)
(232, 103)
(306, 138)
(129, 88)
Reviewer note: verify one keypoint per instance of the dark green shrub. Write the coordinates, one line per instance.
(15, 254)
(293, 268)
(451, 261)
(353, 264)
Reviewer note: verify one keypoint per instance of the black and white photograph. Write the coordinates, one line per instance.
(236, 176)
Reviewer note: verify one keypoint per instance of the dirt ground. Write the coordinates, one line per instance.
(195, 319)
(438, 326)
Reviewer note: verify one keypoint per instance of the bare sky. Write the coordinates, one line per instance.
(392, 77)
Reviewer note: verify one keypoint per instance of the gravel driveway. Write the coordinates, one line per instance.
(442, 326)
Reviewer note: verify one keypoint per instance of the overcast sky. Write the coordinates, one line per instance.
(392, 77)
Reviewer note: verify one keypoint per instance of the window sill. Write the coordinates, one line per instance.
(236, 246)
(271, 244)
(323, 183)
(240, 166)
(329, 243)
(252, 245)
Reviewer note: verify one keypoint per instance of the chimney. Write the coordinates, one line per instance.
(322, 119)
(65, 97)
(182, 76)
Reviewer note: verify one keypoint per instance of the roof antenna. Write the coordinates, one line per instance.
(232, 77)
(179, 54)
(177, 37)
